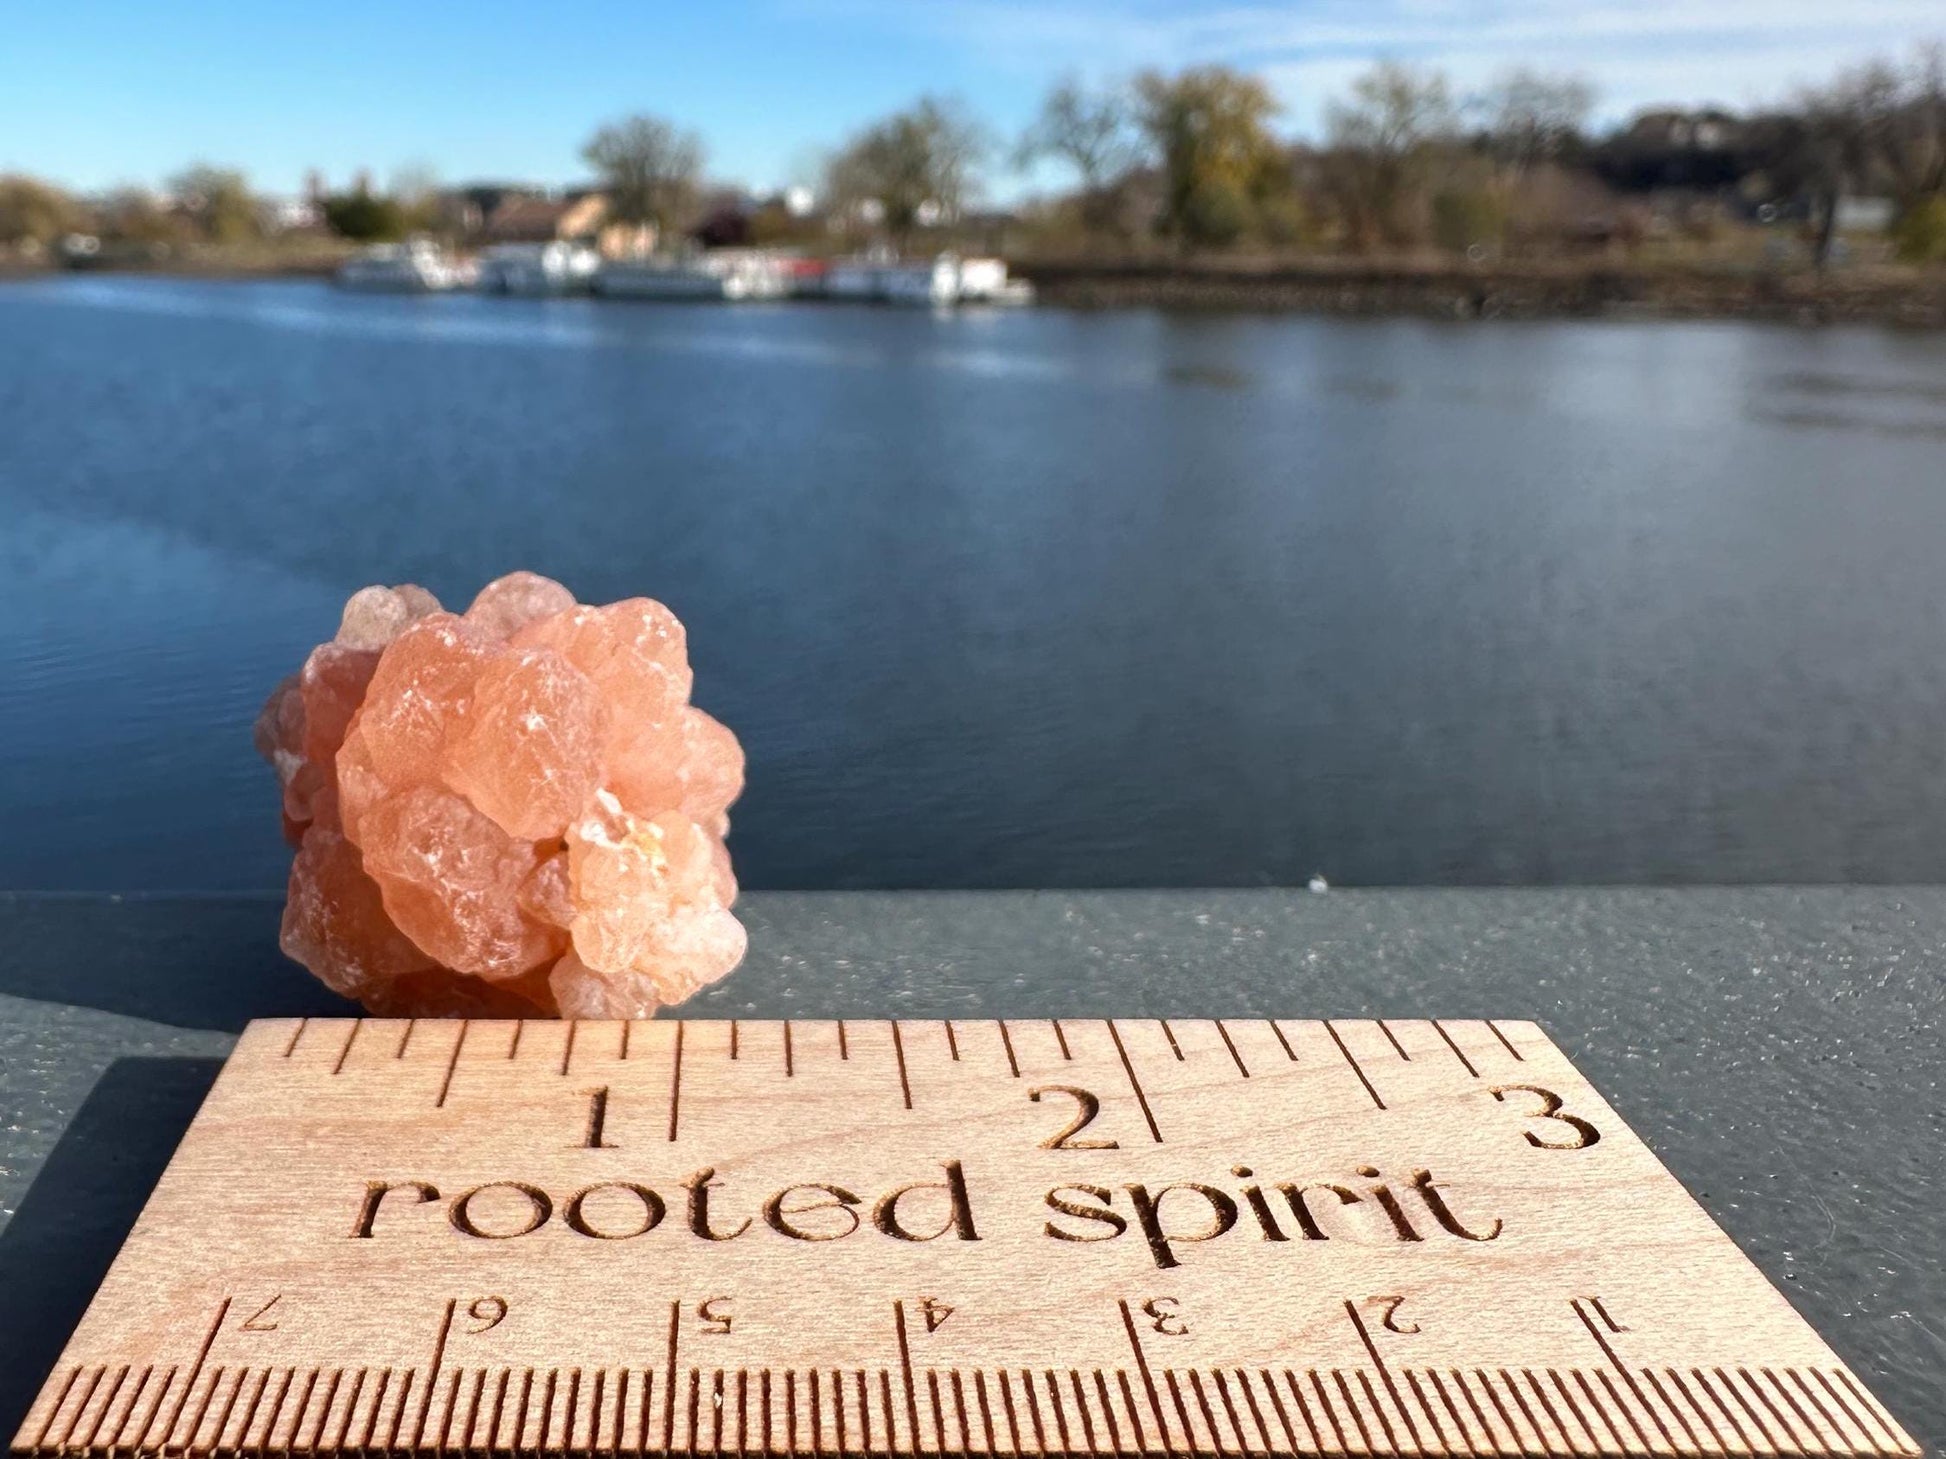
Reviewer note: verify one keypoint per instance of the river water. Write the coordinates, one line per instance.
(1021, 599)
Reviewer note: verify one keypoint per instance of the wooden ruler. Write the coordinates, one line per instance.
(1007, 1238)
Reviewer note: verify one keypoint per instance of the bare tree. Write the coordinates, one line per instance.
(650, 168)
(1381, 140)
(916, 167)
(1878, 126)
(1090, 132)
(1532, 117)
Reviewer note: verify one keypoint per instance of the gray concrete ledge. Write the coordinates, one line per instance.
(1780, 1049)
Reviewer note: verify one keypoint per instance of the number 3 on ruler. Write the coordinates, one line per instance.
(1550, 1110)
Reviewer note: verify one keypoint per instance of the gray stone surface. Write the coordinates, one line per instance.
(1779, 1048)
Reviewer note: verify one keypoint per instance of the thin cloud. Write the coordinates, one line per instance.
(1730, 52)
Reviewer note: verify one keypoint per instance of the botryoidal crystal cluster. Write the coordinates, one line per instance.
(513, 811)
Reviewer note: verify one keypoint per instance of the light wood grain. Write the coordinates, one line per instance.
(1115, 1238)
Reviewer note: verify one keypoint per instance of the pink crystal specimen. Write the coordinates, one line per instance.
(514, 811)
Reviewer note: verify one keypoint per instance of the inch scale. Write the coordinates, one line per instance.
(1085, 1237)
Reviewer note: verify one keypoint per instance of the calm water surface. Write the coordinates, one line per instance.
(1034, 598)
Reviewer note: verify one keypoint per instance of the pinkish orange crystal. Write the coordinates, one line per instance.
(510, 812)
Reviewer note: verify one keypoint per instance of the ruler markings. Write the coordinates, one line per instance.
(1506, 1042)
(405, 1038)
(1061, 1039)
(669, 1376)
(1324, 1405)
(1795, 1407)
(789, 1069)
(1432, 1414)
(844, 1046)
(1674, 1409)
(1133, 1409)
(1872, 1406)
(1716, 1434)
(296, 1034)
(1355, 1067)
(1520, 1402)
(1289, 1052)
(107, 1402)
(898, 1053)
(1843, 1407)
(952, 1041)
(1452, 1409)
(1393, 1039)
(195, 1371)
(249, 1417)
(228, 1410)
(1142, 1368)
(1493, 1397)
(567, 1046)
(1230, 1044)
(981, 1410)
(1006, 1385)
(1595, 1402)
(81, 1407)
(1135, 1084)
(1730, 1386)
(446, 1084)
(675, 1084)
(1007, 1041)
(1554, 1424)
(1755, 1388)
(1365, 1337)
(1458, 1053)
(350, 1039)
(1818, 1403)
(1170, 1034)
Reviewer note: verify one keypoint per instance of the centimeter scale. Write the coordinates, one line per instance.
(920, 1238)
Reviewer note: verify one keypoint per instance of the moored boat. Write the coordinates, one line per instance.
(725, 275)
(418, 266)
(945, 280)
(537, 268)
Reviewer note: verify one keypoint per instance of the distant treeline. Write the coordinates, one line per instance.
(1166, 164)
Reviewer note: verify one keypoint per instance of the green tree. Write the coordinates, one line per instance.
(1091, 133)
(365, 217)
(217, 202)
(1209, 130)
(1920, 234)
(35, 211)
(918, 166)
(1383, 140)
(651, 169)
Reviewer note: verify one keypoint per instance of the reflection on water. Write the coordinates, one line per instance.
(1031, 598)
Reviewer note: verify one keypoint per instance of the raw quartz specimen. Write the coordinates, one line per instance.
(509, 812)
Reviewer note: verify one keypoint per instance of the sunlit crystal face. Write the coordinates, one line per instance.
(511, 810)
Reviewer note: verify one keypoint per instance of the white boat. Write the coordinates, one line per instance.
(726, 274)
(985, 281)
(537, 268)
(946, 280)
(418, 266)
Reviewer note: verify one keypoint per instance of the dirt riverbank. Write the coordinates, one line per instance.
(1900, 296)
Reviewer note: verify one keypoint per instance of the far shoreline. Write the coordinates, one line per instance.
(1908, 298)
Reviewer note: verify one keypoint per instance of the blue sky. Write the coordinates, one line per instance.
(93, 94)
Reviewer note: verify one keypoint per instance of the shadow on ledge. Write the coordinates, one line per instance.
(56, 1249)
(194, 962)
